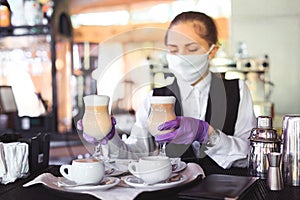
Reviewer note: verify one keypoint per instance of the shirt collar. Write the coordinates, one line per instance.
(204, 83)
(186, 89)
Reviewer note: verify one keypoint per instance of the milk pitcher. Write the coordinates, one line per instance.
(291, 150)
(263, 140)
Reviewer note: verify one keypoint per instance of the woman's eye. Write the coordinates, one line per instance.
(193, 49)
(172, 51)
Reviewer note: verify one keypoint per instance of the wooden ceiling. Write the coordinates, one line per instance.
(98, 34)
(82, 6)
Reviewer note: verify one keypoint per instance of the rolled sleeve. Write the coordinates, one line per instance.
(227, 150)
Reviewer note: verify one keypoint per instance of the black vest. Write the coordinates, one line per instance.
(222, 108)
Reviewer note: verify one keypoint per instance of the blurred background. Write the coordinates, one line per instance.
(49, 57)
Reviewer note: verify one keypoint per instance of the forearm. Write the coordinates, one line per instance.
(227, 150)
(210, 131)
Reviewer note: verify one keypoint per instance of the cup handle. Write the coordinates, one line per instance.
(132, 168)
(63, 172)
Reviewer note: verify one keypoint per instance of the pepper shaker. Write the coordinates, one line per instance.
(275, 181)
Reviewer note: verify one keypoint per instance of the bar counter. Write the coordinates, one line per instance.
(258, 190)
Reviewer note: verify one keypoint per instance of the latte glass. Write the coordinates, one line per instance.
(96, 120)
(162, 110)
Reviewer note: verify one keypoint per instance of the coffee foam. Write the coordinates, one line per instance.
(97, 109)
(162, 100)
(86, 160)
(96, 100)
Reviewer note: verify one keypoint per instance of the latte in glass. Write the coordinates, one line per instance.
(162, 110)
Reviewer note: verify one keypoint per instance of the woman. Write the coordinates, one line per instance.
(213, 113)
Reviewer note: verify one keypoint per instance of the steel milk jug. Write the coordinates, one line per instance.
(291, 149)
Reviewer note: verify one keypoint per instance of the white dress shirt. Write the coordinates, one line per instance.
(225, 150)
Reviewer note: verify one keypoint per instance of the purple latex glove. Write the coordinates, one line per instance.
(93, 140)
(187, 130)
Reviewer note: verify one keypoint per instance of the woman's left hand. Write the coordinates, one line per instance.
(187, 130)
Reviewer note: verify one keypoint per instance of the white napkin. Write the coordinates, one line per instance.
(14, 161)
(2, 162)
(121, 191)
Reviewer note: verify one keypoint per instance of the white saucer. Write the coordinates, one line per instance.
(115, 172)
(119, 167)
(139, 183)
(105, 184)
(181, 166)
(53, 182)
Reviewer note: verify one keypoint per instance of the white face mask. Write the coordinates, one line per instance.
(189, 68)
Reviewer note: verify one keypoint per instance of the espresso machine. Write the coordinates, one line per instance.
(254, 70)
(256, 75)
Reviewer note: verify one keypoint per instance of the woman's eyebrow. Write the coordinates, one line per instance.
(172, 45)
(188, 44)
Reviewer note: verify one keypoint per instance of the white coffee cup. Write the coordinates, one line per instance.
(84, 171)
(151, 169)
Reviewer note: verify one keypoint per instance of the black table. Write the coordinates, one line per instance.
(259, 190)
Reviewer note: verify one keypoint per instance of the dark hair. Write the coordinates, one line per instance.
(204, 25)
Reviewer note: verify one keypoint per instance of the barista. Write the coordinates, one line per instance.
(211, 112)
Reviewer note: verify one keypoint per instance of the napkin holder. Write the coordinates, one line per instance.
(38, 148)
(38, 151)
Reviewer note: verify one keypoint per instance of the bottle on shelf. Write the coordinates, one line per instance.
(5, 14)
(47, 10)
(33, 12)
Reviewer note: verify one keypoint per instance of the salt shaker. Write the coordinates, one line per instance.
(275, 181)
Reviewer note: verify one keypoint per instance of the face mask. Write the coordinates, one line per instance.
(189, 68)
